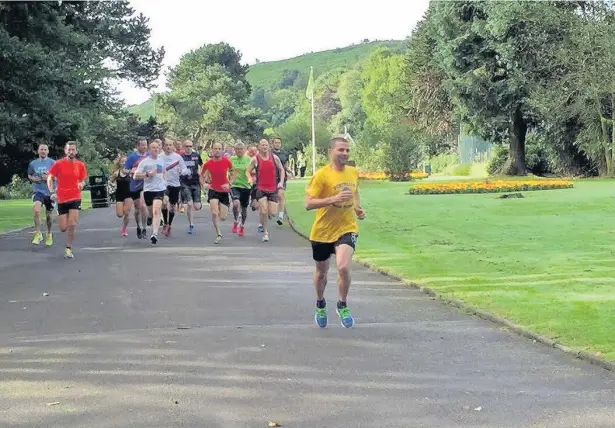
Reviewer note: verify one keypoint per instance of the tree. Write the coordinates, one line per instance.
(57, 62)
(578, 104)
(352, 115)
(491, 55)
(429, 106)
(209, 96)
(382, 98)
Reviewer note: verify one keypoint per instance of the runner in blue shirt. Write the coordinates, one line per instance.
(136, 186)
(37, 174)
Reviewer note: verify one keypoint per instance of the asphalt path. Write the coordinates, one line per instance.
(191, 334)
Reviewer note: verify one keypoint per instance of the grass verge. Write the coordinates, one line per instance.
(544, 262)
(17, 213)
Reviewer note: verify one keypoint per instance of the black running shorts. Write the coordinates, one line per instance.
(321, 251)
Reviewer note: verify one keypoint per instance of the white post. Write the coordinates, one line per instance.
(313, 141)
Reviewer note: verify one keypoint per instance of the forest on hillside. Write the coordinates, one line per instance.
(534, 78)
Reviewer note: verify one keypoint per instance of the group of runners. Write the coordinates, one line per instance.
(158, 183)
(157, 179)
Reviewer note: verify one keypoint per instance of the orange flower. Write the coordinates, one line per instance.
(487, 186)
(413, 175)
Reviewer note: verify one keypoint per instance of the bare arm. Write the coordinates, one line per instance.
(140, 174)
(183, 167)
(250, 167)
(50, 183)
(312, 203)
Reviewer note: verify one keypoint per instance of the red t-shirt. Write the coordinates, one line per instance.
(68, 175)
(218, 169)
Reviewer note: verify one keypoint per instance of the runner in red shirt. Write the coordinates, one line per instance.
(70, 175)
(267, 183)
(218, 194)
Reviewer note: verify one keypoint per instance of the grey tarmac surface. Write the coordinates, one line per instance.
(190, 334)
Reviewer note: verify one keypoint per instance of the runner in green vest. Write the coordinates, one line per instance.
(240, 187)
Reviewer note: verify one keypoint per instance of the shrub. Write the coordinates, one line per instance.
(404, 151)
(442, 162)
(19, 188)
(5, 193)
(463, 169)
(368, 157)
(498, 159)
(495, 186)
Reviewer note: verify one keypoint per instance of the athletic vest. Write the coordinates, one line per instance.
(266, 174)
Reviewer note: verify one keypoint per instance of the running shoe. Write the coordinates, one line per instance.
(149, 221)
(321, 317)
(266, 237)
(154, 239)
(218, 239)
(68, 253)
(139, 233)
(191, 229)
(260, 228)
(165, 230)
(38, 238)
(234, 227)
(124, 232)
(241, 231)
(49, 240)
(345, 317)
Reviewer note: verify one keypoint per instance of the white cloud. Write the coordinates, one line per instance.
(270, 29)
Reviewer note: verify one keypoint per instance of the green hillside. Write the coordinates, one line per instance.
(269, 74)
(144, 110)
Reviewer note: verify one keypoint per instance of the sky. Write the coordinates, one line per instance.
(269, 30)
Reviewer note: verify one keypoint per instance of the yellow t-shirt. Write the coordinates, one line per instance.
(335, 220)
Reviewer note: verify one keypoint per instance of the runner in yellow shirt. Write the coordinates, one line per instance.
(333, 192)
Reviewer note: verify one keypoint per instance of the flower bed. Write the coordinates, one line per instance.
(413, 175)
(495, 186)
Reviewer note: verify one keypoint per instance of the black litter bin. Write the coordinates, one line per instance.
(98, 190)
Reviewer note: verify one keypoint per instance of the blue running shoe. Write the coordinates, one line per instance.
(191, 229)
(321, 317)
(260, 228)
(345, 317)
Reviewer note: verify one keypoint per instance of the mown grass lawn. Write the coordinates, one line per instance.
(17, 213)
(546, 261)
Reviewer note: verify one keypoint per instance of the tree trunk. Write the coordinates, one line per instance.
(605, 143)
(516, 154)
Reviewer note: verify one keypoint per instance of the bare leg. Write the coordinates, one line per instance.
(236, 210)
(156, 214)
(72, 219)
(49, 220)
(320, 278)
(343, 257)
(36, 209)
(138, 208)
(263, 213)
(214, 207)
(281, 204)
